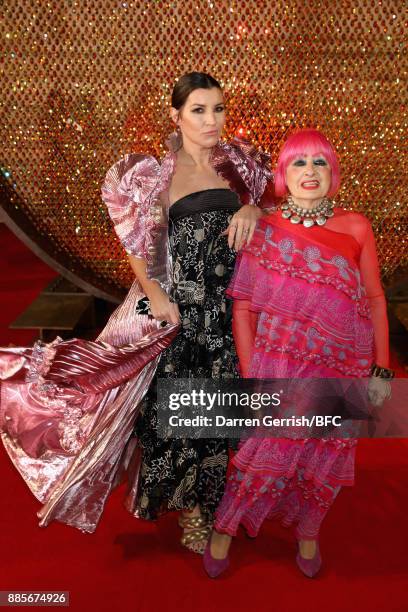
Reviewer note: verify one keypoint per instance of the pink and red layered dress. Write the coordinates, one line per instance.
(312, 320)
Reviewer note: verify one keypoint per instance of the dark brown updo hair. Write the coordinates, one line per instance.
(188, 83)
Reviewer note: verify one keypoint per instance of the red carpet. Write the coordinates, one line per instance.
(130, 565)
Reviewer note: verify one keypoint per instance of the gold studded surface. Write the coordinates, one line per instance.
(85, 82)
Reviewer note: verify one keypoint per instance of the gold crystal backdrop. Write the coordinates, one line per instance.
(85, 82)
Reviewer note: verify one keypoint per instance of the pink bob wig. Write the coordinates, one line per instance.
(306, 142)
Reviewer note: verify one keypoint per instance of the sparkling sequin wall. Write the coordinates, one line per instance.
(85, 82)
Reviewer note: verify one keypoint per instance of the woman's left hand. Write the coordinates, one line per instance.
(242, 226)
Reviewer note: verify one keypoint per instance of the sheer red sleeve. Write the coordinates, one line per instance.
(244, 324)
(360, 228)
(370, 275)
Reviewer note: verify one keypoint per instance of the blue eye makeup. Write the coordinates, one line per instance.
(319, 161)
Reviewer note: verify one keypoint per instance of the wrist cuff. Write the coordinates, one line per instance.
(380, 372)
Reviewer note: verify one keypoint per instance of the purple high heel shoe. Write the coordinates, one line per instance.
(309, 567)
(214, 567)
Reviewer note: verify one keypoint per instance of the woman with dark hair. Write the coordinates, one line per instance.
(207, 189)
(308, 303)
(68, 426)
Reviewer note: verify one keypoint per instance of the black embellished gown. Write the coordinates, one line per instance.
(178, 474)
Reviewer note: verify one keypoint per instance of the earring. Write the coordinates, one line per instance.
(175, 140)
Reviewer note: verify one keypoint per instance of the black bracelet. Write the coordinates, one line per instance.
(380, 372)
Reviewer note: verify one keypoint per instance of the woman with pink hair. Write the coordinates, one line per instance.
(308, 303)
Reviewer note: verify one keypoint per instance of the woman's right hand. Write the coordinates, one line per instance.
(161, 307)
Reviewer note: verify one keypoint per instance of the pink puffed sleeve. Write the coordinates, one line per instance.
(128, 192)
(255, 169)
(244, 167)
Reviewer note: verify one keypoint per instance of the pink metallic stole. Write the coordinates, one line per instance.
(68, 408)
(136, 193)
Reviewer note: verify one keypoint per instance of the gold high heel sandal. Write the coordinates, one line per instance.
(199, 531)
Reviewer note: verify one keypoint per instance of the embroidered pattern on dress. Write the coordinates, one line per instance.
(325, 322)
(313, 258)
